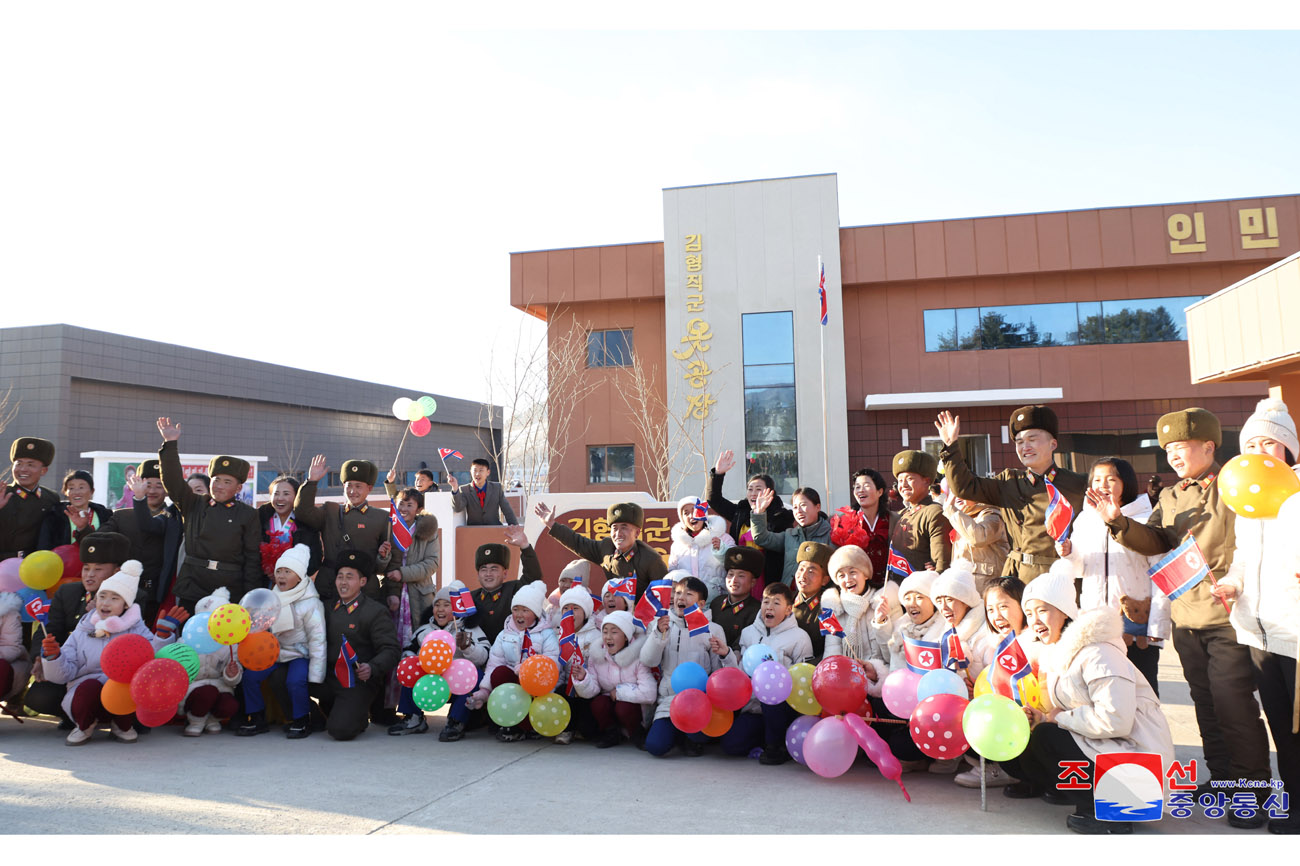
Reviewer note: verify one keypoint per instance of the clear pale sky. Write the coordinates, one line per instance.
(340, 190)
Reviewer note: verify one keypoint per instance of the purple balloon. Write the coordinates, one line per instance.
(899, 692)
(795, 734)
(772, 683)
(829, 748)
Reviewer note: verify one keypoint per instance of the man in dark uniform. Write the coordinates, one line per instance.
(494, 596)
(222, 534)
(1020, 495)
(921, 534)
(368, 629)
(622, 553)
(102, 554)
(354, 525)
(1216, 667)
(736, 610)
(154, 528)
(810, 581)
(25, 504)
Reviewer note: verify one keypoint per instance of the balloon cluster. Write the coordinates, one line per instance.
(40, 571)
(533, 696)
(416, 412)
(705, 703)
(944, 723)
(435, 674)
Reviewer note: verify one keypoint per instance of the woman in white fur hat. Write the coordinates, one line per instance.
(211, 693)
(865, 605)
(1264, 584)
(1100, 703)
(699, 545)
(77, 661)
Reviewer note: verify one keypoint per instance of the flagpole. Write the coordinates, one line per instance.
(444, 465)
(826, 451)
(400, 445)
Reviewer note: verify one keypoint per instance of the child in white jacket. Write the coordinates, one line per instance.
(965, 640)
(300, 629)
(619, 685)
(574, 677)
(1114, 576)
(699, 545)
(917, 632)
(525, 634)
(211, 694)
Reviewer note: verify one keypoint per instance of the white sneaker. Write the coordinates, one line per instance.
(994, 777)
(194, 726)
(78, 737)
(127, 735)
(945, 767)
(564, 738)
(213, 726)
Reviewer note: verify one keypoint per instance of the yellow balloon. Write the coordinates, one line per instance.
(549, 714)
(41, 570)
(801, 693)
(1031, 692)
(1256, 485)
(982, 686)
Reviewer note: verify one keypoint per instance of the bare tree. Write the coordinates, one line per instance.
(293, 443)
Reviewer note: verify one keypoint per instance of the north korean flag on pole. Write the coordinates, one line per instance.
(1181, 569)
(898, 564)
(625, 587)
(922, 655)
(444, 453)
(697, 621)
(568, 637)
(401, 531)
(462, 603)
(952, 654)
(38, 609)
(821, 288)
(345, 668)
(1059, 514)
(1010, 666)
(830, 626)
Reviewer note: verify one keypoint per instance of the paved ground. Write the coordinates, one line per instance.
(397, 785)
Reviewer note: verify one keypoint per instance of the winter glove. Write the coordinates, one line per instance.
(1136, 610)
(169, 624)
(50, 647)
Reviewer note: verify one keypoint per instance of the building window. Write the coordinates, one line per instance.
(974, 449)
(610, 464)
(1085, 323)
(609, 348)
(771, 440)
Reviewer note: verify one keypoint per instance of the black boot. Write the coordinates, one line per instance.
(299, 728)
(610, 738)
(452, 731)
(253, 724)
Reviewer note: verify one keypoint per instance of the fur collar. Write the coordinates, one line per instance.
(1099, 625)
(112, 624)
(10, 602)
(701, 540)
(426, 526)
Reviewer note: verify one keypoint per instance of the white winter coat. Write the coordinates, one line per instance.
(696, 554)
(508, 648)
(11, 640)
(931, 630)
(865, 639)
(78, 659)
(305, 638)
(1111, 571)
(1107, 706)
(623, 677)
(1266, 613)
(666, 650)
(479, 647)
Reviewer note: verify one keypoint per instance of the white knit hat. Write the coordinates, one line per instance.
(623, 620)
(444, 594)
(577, 570)
(126, 582)
(957, 582)
(1055, 588)
(918, 581)
(532, 596)
(209, 603)
(1271, 419)
(295, 559)
(578, 595)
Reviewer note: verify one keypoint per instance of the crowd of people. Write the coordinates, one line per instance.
(1038, 562)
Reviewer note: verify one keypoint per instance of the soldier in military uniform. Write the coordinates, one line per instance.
(735, 611)
(353, 525)
(1216, 667)
(922, 532)
(102, 554)
(810, 581)
(25, 503)
(495, 594)
(1020, 495)
(368, 629)
(222, 534)
(622, 553)
(153, 527)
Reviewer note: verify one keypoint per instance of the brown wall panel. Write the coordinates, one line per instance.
(1053, 241)
(959, 247)
(613, 272)
(1116, 226)
(930, 261)
(900, 253)
(559, 273)
(1022, 243)
(1085, 239)
(586, 274)
(991, 246)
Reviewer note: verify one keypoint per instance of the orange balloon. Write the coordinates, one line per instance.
(538, 675)
(436, 656)
(259, 651)
(719, 723)
(1256, 485)
(116, 698)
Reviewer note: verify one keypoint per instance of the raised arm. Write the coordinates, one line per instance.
(725, 508)
(169, 463)
(304, 504)
(588, 548)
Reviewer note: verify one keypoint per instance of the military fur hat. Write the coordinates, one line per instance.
(1194, 423)
(111, 547)
(358, 559)
(31, 446)
(625, 512)
(359, 470)
(1034, 418)
(149, 469)
(749, 559)
(492, 554)
(920, 462)
(227, 465)
(811, 551)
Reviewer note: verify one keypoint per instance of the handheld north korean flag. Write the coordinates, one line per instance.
(345, 668)
(401, 531)
(922, 655)
(625, 586)
(830, 626)
(898, 564)
(1010, 666)
(697, 621)
(1181, 569)
(952, 655)
(1059, 514)
(462, 603)
(39, 610)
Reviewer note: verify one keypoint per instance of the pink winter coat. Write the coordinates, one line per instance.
(623, 677)
(78, 659)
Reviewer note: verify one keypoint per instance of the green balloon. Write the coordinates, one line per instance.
(508, 704)
(430, 692)
(996, 727)
(183, 653)
(428, 404)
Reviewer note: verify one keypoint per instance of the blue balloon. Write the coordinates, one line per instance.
(755, 656)
(196, 634)
(689, 675)
(941, 682)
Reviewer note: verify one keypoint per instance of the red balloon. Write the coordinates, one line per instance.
(71, 556)
(124, 655)
(409, 671)
(155, 718)
(839, 685)
(729, 689)
(690, 711)
(420, 427)
(159, 685)
(865, 711)
(936, 726)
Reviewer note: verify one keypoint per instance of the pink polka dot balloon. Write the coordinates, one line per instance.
(461, 677)
(229, 624)
(439, 634)
(936, 726)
